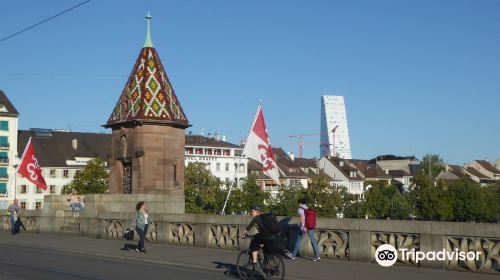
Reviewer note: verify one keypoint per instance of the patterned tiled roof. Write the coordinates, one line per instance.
(148, 94)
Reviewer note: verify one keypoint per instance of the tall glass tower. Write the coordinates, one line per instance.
(334, 137)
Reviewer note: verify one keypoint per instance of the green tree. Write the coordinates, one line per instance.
(93, 179)
(429, 202)
(377, 204)
(252, 194)
(400, 204)
(356, 209)
(327, 200)
(432, 165)
(285, 203)
(490, 206)
(467, 200)
(203, 193)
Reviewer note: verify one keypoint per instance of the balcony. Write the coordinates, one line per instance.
(4, 146)
(4, 177)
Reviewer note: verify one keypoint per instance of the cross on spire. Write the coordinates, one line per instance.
(148, 43)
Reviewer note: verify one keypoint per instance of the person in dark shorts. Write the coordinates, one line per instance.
(263, 237)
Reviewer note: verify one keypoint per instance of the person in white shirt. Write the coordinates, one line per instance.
(302, 231)
(142, 222)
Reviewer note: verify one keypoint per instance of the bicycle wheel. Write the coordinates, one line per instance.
(246, 268)
(274, 267)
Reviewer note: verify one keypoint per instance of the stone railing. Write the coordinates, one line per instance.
(343, 239)
(29, 218)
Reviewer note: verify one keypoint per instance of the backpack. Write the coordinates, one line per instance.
(271, 223)
(310, 216)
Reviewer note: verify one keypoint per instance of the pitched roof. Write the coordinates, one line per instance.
(148, 95)
(488, 166)
(398, 173)
(346, 168)
(8, 108)
(199, 140)
(392, 157)
(288, 167)
(476, 173)
(55, 148)
(306, 162)
(292, 172)
(376, 172)
(457, 170)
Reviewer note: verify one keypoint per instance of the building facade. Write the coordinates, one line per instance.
(223, 159)
(61, 154)
(8, 148)
(334, 136)
(343, 173)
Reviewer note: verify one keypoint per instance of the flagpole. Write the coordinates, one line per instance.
(15, 181)
(223, 212)
(231, 185)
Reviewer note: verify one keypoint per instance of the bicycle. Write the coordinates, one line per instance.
(268, 263)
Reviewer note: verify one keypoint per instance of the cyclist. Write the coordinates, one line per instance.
(265, 235)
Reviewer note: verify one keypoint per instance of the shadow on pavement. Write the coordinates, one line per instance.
(129, 247)
(230, 269)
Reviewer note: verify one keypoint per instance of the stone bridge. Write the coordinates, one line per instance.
(342, 239)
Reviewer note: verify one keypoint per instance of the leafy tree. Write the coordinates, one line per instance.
(285, 203)
(432, 165)
(377, 204)
(93, 179)
(236, 203)
(202, 190)
(400, 204)
(429, 202)
(356, 209)
(252, 194)
(466, 200)
(327, 200)
(490, 206)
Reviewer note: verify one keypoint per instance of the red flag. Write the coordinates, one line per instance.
(29, 167)
(258, 147)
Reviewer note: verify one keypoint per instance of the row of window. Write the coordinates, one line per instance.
(209, 152)
(53, 173)
(227, 167)
(52, 189)
(38, 204)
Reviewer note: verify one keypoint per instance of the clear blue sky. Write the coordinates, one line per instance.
(418, 76)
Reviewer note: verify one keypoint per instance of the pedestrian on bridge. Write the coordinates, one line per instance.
(307, 224)
(142, 222)
(14, 210)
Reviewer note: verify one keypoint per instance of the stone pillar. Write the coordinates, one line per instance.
(156, 156)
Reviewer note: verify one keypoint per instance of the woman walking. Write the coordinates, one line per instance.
(142, 222)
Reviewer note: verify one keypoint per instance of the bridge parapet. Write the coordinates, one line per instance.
(343, 239)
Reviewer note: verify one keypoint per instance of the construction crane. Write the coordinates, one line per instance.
(302, 143)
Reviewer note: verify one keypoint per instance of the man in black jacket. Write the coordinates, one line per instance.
(264, 236)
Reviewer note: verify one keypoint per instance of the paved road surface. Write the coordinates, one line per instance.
(24, 263)
(41, 256)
